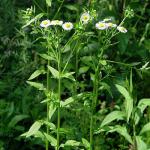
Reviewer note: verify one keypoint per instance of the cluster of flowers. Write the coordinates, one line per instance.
(85, 18)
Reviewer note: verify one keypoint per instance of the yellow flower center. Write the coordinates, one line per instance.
(110, 24)
(101, 25)
(85, 17)
(68, 25)
(45, 22)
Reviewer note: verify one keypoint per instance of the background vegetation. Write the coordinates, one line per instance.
(20, 103)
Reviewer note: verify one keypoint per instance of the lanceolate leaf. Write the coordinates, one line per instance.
(140, 144)
(33, 129)
(52, 109)
(122, 131)
(86, 144)
(68, 75)
(115, 115)
(49, 2)
(36, 74)
(36, 85)
(145, 128)
(16, 119)
(54, 72)
(128, 100)
(143, 103)
(67, 102)
(47, 57)
(34, 19)
(51, 139)
(71, 143)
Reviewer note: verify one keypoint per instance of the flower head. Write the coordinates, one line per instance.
(67, 26)
(122, 29)
(101, 25)
(56, 22)
(45, 23)
(111, 25)
(85, 17)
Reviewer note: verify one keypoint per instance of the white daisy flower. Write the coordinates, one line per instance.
(85, 17)
(111, 25)
(56, 22)
(45, 23)
(101, 26)
(67, 26)
(122, 29)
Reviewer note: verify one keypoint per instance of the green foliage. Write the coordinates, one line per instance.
(104, 78)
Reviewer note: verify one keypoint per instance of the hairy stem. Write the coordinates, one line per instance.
(94, 102)
(59, 99)
(48, 89)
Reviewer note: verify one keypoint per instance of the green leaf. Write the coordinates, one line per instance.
(50, 125)
(86, 144)
(33, 129)
(122, 131)
(47, 57)
(71, 7)
(145, 128)
(83, 69)
(141, 145)
(49, 2)
(128, 100)
(34, 19)
(52, 109)
(143, 103)
(67, 102)
(36, 85)
(72, 143)
(16, 119)
(54, 72)
(103, 62)
(106, 87)
(68, 75)
(36, 74)
(111, 117)
(51, 139)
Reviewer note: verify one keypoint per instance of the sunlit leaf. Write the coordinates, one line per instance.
(68, 75)
(145, 128)
(34, 19)
(33, 129)
(128, 100)
(36, 85)
(86, 144)
(49, 2)
(36, 74)
(115, 115)
(47, 57)
(51, 139)
(122, 131)
(54, 72)
(83, 69)
(143, 103)
(141, 145)
(71, 143)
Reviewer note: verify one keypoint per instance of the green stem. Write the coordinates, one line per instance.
(76, 66)
(59, 99)
(94, 102)
(48, 89)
